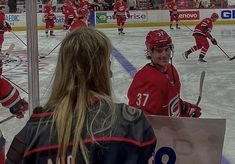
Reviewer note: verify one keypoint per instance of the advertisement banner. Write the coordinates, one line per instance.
(101, 17)
(188, 140)
(58, 21)
(227, 14)
(16, 19)
(107, 17)
(189, 15)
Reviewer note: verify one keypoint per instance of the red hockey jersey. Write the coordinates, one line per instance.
(171, 5)
(204, 27)
(76, 24)
(155, 92)
(2, 22)
(71, 12)
(84, 4)
(4, 26)
(120, 8)
(48, 11)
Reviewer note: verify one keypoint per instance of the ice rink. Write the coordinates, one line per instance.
(218, 99)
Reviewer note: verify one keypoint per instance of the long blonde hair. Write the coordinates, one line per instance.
(82, 73)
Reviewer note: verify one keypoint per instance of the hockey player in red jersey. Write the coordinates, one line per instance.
(84, 4)
(71, 11)
(155, 88)
(174, 14)
(80, 21)
(120, 10)
(4, 26)
(10, 98)
(9, 95)
(201, 33)
(49, 18)
(64, 11)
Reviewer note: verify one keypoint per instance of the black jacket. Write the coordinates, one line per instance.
(132, 139)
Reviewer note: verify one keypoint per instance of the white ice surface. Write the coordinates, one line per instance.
(218, 99)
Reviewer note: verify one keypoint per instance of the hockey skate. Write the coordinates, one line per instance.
(202, 60)
(185, 55)
(177, 27)
(121, 33)
(51, 33)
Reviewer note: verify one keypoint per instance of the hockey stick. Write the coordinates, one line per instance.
(54, 48)
(185, 25)
(23, 42)
(6, 119)
(230, 58)
(200, 91)
(19, 38)
(200, 87)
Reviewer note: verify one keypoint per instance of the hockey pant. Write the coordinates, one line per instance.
(121, 19)
(174, 17)
(49, 24)
(201, 43)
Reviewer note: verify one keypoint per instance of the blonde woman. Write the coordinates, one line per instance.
(80, 123)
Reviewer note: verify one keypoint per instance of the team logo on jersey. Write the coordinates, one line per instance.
(173, 107)
(131, 114)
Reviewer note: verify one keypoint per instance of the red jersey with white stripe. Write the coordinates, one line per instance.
(172, 8)
(120, 8)
(158, 93)
(204, 27)
(171, 5)
(78, 23)
(84, 4)
(2, 22)
(48, 11)
(64, 8)
(71, 11)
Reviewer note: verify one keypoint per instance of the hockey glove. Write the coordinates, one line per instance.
(190, 110)
(19, 108)
(213, 41)
(114, 16)
(45, 17)
(8, 27)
